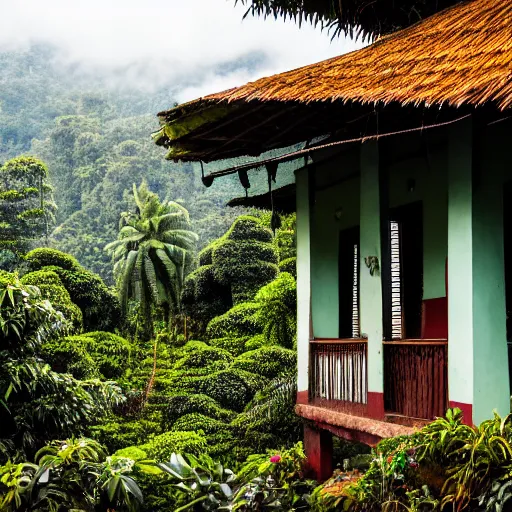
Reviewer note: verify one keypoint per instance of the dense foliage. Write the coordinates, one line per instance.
(96, 144)
(39, 403)
(26, 204)
(99, 304)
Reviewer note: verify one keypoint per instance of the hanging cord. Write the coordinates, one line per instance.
(303, 152)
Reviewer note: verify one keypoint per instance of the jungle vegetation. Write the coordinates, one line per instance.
(148, 335)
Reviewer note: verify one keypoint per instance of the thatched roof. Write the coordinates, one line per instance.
(282, 199)
(367, 18)
(460, 57)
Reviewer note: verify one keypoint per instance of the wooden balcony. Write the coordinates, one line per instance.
(338, 373)
(416, 378)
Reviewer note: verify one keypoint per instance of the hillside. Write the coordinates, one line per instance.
(96, 142)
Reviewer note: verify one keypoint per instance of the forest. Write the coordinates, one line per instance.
(148, 334)
(141, 318)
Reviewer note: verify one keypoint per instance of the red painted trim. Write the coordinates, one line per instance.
(375, 405)
(318, 448)
(303, 397)
(467, 411)
(434, 321)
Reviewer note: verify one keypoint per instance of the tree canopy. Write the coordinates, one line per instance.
(152, 253)
(26, 203)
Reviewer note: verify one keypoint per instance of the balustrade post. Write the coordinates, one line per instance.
(318, 448)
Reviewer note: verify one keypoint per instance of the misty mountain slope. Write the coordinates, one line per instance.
(97, 144)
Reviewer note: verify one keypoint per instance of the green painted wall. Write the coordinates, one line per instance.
(478, 362)
(303, 279)
(491, 385)
(325, 239)
(431, 187)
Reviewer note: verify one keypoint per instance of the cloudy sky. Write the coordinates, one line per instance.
(199, 46)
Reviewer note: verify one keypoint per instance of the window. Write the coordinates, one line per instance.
(402, 272)
(355, 295)
(348, 270)
(396, 282)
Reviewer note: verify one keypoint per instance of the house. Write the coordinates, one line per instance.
(404, 221)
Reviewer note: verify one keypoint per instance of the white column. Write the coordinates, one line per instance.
(477, 349)
(303, 278)
(370, 243)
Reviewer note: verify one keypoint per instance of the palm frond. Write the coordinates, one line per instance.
(151, 280)
(181, 209)
(279, 395)
(126, 277)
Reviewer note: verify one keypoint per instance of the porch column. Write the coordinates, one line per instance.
(318, 447)
(477, 349)
(370, 286)
(303, 283)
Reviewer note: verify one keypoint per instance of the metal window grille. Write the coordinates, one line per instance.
(396, 283)
(355, 295)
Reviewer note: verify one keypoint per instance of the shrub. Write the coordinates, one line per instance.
(246, 266)
(202, 358)
(183, 404)
(110, 352)
(194, 345)
(196, 422)
(245, 258)
(232, 389)
(270, 362)
(255, 342)
(45, 257)
(272, 413)
(116, 435)
(289, 265)
(51, 288)
(247, 227)
(235, 346)
(205, 256)
(160, 447)
(69, 355)
(277, 311)
(240, 320)
(6, 277)
(132, 452)
(204, 297)
(100, 306)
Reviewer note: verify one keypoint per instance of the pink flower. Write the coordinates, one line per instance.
(275, 458)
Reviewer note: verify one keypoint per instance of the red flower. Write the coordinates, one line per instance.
(275, 458)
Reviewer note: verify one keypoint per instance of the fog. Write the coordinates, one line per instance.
(194, 46)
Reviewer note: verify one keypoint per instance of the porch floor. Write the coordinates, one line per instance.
(351, 427)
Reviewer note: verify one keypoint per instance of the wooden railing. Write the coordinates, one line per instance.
(416, 378)
(338, 372)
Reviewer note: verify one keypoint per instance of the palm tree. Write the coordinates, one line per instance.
(151, 254)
